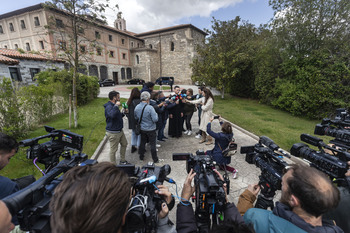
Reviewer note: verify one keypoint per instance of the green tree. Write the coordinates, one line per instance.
(81, 15)
(225, 60)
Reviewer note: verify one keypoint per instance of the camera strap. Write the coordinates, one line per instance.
(142, 113)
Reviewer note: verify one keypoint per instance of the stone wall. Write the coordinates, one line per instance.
(176, 62)
(25, 66)
(147, 67)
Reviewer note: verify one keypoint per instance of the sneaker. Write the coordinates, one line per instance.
(189, 133)
(124, 163)
(234, 174)
(141, 158)
(198, 136)
(186, 132)
(157, 161)
(158, 145)
(165, 138)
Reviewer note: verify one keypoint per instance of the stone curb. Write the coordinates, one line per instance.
(99, 148)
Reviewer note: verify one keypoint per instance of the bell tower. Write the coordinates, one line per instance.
(120, 22)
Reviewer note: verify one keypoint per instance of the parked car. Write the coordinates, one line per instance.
(106, 82)
(136, 81)
(165, 81)
(199, 83)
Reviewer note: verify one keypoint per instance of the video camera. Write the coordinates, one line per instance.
(335, 167)
(338, 128)
(31, 204)
(48, 153)
(210, 195)
(144, 207)
(272, 166)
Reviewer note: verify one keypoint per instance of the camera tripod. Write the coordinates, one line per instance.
(265, 198)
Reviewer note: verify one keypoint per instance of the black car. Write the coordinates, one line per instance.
(106, 82)
(165, 81)
(136, 81)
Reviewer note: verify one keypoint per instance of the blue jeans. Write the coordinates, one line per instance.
(135, 139)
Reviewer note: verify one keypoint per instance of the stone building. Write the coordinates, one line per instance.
(110, 52)
(22, 67)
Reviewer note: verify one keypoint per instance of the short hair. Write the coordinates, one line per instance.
(145, 96)
(91, 198)
(7, 143)
(150, 84)
(315, 191)
(176, 87)
(201, 88)
(190, 90)
(226, 127)
(112, 94)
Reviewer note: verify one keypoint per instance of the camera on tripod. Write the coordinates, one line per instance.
(210, 195)
(272, 166)
(48, 153)
(144, 207)
(334, 165)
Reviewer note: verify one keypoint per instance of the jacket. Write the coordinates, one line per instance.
(207, 112)
(149, 118)
(114, 118)
(186, 220)
(283, 219)
(131, 116)
(221, 140)
(341, 213)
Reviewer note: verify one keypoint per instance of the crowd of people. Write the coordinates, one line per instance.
(96, 198)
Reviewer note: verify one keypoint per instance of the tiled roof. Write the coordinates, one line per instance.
(9, 56)
(7, 60)
(171, 29)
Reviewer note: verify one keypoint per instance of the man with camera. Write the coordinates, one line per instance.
(114, 127)
(306, 195)
(8, 148)
(186, 221)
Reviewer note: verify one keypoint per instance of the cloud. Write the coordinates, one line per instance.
(147, 15)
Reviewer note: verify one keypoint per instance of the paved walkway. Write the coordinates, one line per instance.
(247, 173)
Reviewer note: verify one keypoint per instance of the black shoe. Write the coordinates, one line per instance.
(133, 149)
(162, 140)
(141, 158)
(165, 137)
(157, 161)
(124, 163)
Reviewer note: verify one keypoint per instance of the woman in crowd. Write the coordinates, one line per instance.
(222, 141)
(207, 112)
(133, 100)
(188, 111)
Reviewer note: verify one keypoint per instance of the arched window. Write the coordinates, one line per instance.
(172, 46)
(150, 46)
(128, 73)
(137, 59)
(123, 73)
(93, 70)
(103, 72)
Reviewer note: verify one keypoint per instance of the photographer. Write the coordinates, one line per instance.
(91, 199)
(222, 141)
(8, 148)
(306, 195)
(185, 217)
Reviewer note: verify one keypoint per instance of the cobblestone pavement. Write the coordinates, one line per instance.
(247, 173)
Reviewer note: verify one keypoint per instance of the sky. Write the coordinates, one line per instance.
(146, 15)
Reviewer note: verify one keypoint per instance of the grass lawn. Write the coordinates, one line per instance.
(283, 128)
(91, 125)
(156, 87)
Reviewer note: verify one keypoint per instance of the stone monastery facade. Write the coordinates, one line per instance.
(115, 53)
